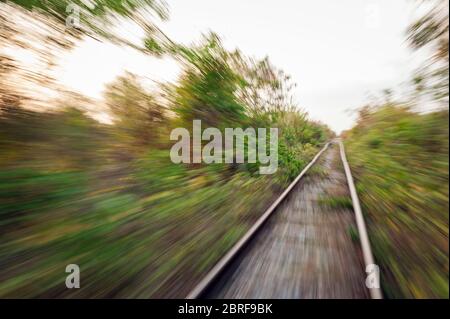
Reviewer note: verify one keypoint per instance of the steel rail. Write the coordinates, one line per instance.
(375, 293)
(233, 252)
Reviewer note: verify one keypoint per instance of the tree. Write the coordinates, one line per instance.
(135, 111)
(432, 31)
(207, 87)
(96, 16)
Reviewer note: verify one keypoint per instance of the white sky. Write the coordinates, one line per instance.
(337, 51)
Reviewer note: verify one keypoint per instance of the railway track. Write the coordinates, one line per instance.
(300, 247)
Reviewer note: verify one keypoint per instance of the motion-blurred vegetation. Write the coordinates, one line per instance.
(108, 198)
(400, 162)
(400, 159)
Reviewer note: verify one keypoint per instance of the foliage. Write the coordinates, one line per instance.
(400, 161)
(107, 197)
(431, 31)
(135, 111)
(207, 87)
(97, 16)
